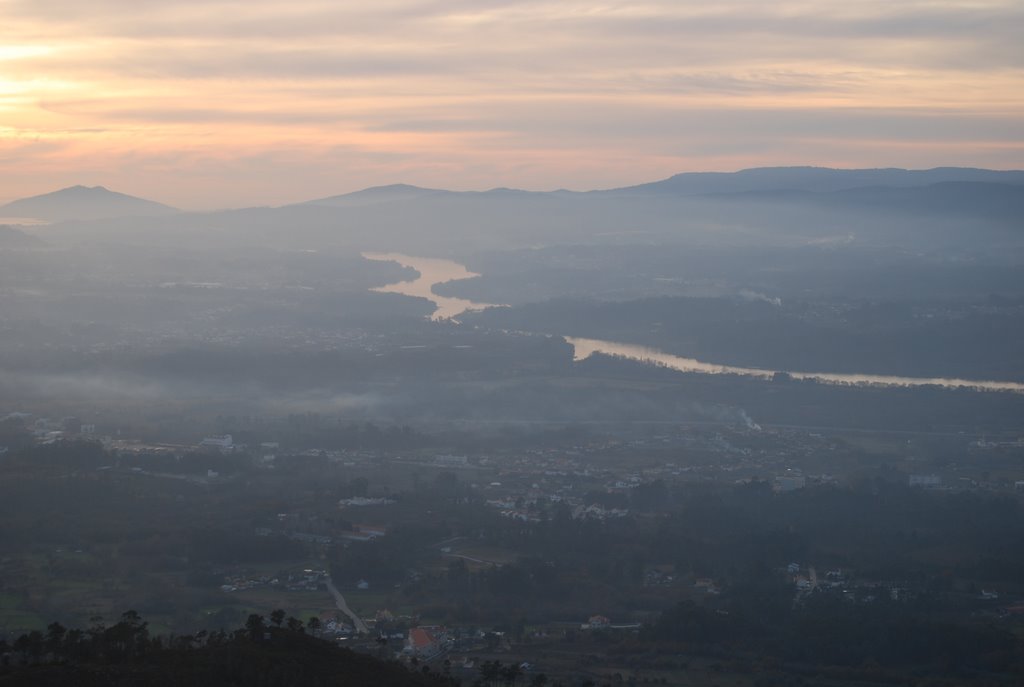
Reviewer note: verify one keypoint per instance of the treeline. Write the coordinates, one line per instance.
(269, 652)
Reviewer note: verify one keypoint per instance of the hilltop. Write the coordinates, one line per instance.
(376, 194)
(84, 203)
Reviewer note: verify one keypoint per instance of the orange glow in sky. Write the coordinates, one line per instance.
(211, 103)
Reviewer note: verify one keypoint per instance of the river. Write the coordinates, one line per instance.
(435, 271)
(584, 348)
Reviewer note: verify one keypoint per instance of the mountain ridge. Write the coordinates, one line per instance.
(749, 180)
(97, 202)
(374, 195)
(84, 202)
(814, 179)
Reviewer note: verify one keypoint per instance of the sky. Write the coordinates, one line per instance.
(213, 103)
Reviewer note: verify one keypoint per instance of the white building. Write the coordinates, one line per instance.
(925, 481)
(223, 443)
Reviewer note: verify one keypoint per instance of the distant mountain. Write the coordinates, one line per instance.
(375, 195)
(771, 181)
(994, 201)
(83, 203)
(12, 238)
(813, 179)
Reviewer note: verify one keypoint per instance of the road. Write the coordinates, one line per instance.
(343, 607)
(473, 560)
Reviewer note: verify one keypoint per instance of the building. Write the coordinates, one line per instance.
(364, 532)
(926, 481)
(424, 642)
(221, 443)
(791, 481)
(453, 461)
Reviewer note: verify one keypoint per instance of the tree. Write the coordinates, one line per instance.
(184, 642)
(277, 617)
(55, 634)
(96, 631)
(31, 645)
(490, 671)
(74, 643)
(511, 673)
(127, 638)
(255, 627)
(313, 625)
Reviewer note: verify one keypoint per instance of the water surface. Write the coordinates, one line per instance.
(432, 271)
(584, 348)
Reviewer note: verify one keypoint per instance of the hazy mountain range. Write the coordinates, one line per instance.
(890, 186)
(817, 180)
(83, 203)
(878, 271)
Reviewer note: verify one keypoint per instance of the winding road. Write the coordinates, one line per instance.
(339, 600)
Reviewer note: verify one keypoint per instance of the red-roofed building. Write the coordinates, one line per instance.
(424, 642)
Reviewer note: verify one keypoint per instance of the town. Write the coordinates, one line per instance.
(536, 557)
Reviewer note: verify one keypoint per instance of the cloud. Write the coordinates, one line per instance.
(444, 85)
